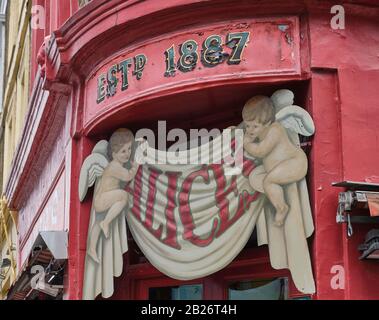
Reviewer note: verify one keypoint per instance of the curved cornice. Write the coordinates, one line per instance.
(104, 27)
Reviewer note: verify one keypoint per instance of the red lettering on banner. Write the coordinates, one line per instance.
(220, 224)
(136, 192)
(185, 210)
(150, 204)
(222, 202)
(171, 227)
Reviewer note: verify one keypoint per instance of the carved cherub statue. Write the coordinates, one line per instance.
(109, 197)
(267, 138)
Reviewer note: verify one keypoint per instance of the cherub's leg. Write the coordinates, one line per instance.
(93, 239)
(119, 199)
(275, 194)
(256, 178)
(286, 172)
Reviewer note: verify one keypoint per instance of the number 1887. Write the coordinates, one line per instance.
(211, 54)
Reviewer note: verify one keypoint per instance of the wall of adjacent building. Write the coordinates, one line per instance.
(29, 25)
(16, 86)
(15, 96)
(8, 251)
(2, 48)
(3, 6)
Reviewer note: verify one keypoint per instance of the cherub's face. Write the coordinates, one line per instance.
(123, 155)
(255, 128)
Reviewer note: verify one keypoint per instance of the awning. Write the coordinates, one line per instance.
(55, 241)
(49, 252)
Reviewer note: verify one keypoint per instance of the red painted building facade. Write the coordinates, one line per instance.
(333, 73)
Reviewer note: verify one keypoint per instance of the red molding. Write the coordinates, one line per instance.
(119, 24)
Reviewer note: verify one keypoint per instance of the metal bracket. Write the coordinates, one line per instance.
(344, 217)
(355, 197)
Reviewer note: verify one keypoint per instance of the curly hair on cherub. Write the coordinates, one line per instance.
(259, 108)
(118, 139)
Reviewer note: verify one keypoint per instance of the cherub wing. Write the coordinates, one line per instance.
(296, 119)
(93, 168)
(282, 98)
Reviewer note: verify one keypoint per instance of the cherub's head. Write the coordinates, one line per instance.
(120, 145)
(258, 113)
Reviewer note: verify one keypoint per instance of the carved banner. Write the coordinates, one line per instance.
(191, 220)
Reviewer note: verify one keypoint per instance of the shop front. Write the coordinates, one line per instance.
(195, 78)
(173, 67)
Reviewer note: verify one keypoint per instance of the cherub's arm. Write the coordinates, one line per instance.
(124, 174)
(261, 149)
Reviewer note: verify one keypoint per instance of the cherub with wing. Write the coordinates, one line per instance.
(109, 197)
(273, 137)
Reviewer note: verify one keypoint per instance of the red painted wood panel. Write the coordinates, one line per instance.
(270, 51)
(326, 168)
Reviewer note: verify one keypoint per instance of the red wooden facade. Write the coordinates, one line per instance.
(334, 74)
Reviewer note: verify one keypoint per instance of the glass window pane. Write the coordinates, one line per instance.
(302, 298)
(186, 292)
(273, 289)
(190, 292)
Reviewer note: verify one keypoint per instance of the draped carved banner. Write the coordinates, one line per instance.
(191, 220)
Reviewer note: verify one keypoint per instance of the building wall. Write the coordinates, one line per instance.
(45, 207)
(40, 200)
(14, 107)
(333, 58)
(8, 250)
(3, 247)
(345, 69)
(3, 7)
(16, 92)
